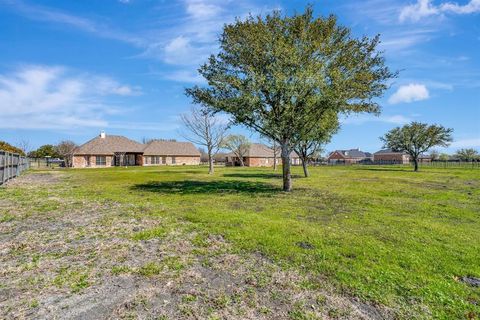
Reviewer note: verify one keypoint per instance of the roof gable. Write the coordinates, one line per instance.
(109, 145)
(170, 148)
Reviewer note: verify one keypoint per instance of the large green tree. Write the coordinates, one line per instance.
(276, 74)
(467, 154)
(416, 138)
(46, 150)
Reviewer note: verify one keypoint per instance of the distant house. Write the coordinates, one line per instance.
(158, 152)
(259, 155)
(111, 150)
(424, 158)
(389, 156)
(349, 156)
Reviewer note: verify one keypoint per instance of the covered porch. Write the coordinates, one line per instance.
(125, 159)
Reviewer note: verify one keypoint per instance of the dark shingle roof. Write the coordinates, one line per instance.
(170, 148)
(109, 145)
(388, 151)
(353, 153)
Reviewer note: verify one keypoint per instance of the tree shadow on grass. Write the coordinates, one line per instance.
(200, 187)
(258, 175)
(178, 171)
(398, 169)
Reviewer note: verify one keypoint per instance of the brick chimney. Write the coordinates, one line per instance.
(102, 134)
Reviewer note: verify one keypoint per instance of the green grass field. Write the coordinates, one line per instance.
(384, 234)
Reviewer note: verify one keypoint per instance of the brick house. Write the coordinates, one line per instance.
(349, 156)
(259, 155)
(388, 156)
(111, 150)
(158, 152)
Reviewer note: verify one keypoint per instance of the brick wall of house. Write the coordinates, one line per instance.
(81, 161)
(391, 158)
(258, 162)
(338, 157)
(181, 160)
(267, 162)
(78, 162)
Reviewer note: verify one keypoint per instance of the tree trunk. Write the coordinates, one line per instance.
(210, 162)
(287, 176)
(305, 168)
(274, 156)
(415, 162)
(241, 162)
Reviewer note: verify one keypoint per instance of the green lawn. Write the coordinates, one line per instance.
(385, 234)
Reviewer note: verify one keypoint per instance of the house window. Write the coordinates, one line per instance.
(164, 160)
(100, 160)
(87, 161)
(174, 160)
(155, 160)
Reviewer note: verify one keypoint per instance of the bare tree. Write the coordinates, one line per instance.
(24, 145)
(434, 154)
(239, 145)
(206, 130)
(65, 149)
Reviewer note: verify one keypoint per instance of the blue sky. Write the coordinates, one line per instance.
(69, 69)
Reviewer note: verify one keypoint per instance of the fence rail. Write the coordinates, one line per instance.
(11, 165)
(435, 163)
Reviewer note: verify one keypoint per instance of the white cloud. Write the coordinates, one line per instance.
(409, 93)
(108, 86)
(466, 143)
(421, 9)
(471, 7)
(361, 119)
(425, 8)
(200, 9)
(49, 97)
(180, 51)
(184, 76)
(400, 40)
(195, 36)
(189, 42)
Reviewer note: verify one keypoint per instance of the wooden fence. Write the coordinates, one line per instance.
(11, 165)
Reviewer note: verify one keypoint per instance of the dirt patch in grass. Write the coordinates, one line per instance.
(85, 260)
(35, 179)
